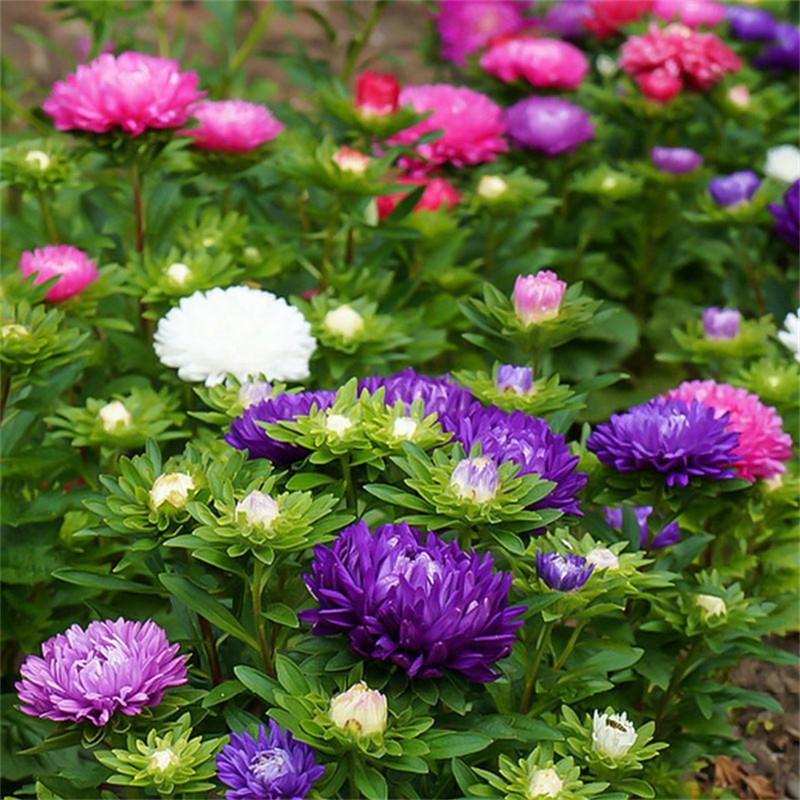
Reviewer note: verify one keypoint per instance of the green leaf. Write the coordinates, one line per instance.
(104, 583)
(222, 693)
(447, 744)
(257, 682)
(282, 614)
(290, 676)
(370, 782)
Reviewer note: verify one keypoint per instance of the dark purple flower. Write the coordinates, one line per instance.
(410, 599)
(527, 441)
(734, 189)
(751, 24)
(787, 216)
(670, 534)
(548, 124)
(564, 573)
(247, 434)
(676, 439)
(721, 323)
(114, 665)
(517, 380)
(274, 766)
(676, 160)
(566, 18)
(783, 53)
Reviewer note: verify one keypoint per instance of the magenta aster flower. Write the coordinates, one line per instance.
(674, 438)
(675, 160)
(763, 446)
(545, 63)
(538, 297)
(232, 126)
(272, 766)
(690, 12)
(410, 599)
(114, 665)
(566, 18)
(472, 125)
(721, 323)
(76, 269)
(564, 573)
(548, 124)
(247, 434)
(132, 91)
(465, 26)
(668, 535)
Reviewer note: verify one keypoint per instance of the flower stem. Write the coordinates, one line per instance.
(533, 669)
(359, 41)
(260, 577)
(47, 217)
(211, 650)
(570, 646)
(5, 380)
(138, 206)
(350, 489)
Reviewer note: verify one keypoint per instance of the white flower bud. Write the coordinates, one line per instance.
(338, 424)
(360, 710)
(257, 509)
(739, 96)
(251, 253)
(405, 428)
(344, 321)
(710, 605)
(178, 273)
(783, 163)
(545, 783)
(38, 158)
(14, 331)
(613, 735)
(172, 488)
(349, 160)
(606, 66)
(603, 558)
(609, 183)
(162, 760)
(209, 241)
(490, 187)
(774, 483)
(252, 392)
(115, 417)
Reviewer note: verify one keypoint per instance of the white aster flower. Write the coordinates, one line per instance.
(790, 335)
(344, 321)
(545, 783)
(238, 330)
(39, 158)
(711, 606)
(783, 163)
(257, 509)
(115, 417)
(612, 734)
(603, 558)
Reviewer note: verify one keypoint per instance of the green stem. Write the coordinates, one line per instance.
(250, 41)
(349, 488)
(678, 674)
(5, 381)
(47, 217)
(260, 577)
(750, 271)
(570, 646)
(138, 206)
(533, 669)
(211, 650)
(359, 42)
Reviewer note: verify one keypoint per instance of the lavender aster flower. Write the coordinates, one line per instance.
(783, 53)
(114, 665)
(734, 189)
(548, 124)
(527, 441)
(670, 534)
(566, 18)
(475, 479)
(273, 766)
(721, 323)
(787, 216)
(517, 380)
(676, 439)
(246, 434)
(564, 573)
(676, 160)
(410, 599)
(751, 24)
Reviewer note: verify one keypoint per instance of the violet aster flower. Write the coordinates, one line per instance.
(272, 766)
(721, 323)
(564, 573)
(548, 124)
(787, 216)
(232, 126)
(675, 438)
(677, 160)
(527, 441)
(783, 53)
(670, 534)
(246, 434)
(734, 189)
(114, 665)
(751, 24)
(411, 599)
(566, 18)
(475, 479)
(516, 380)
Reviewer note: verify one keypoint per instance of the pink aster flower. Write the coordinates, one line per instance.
(538, 297)
(471, 123)
(763, 445)
(438, 193)
(132, 91)
(547, 63)
(465, 26)
(690, 12)
(76, 269)
(232, 126)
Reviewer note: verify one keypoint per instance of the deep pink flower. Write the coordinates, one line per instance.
(549, 63)
(465, 26)
(76, 269)
(438, 192)
(377, 93)
(606, 17)
(472, 125)
(763, 446)
(538, 297)
(232, 126)
(132, 91)
(690, 12)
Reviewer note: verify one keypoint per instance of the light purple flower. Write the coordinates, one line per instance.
(516, 380)
(734, 189)
(564, 573)
(721, 323)
(114, 665)
(475, 479)
(676, 160)
(538, 297)
(548, 124)
(566, 18)
(670, 534)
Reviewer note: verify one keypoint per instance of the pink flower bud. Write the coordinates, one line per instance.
(538, 297)
(77, 271)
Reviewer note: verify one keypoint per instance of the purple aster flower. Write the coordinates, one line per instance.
(783, 53)
(412, 600)
(734, 189)
(721, 323)
(670, 534)
(517, 380)
(676, 439)
(475, 479)
(751, 24)
(465, 26)
(676, 160)
(564, 573)
(548, 124)
(787, 216)
(274, 766)
(247, 434)
(114, 665)
(566, 18)
(527, 441)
